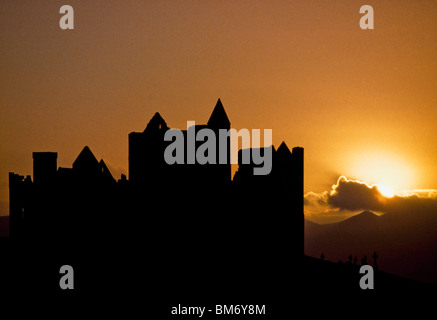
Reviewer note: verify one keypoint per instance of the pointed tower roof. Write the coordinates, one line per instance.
(283, 148)
(85, 160)
(219, 118)
(283, 152)
(106, 174)
(156, 123)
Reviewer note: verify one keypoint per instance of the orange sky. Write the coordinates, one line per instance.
(362, 103)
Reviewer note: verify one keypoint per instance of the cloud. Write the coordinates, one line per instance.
(346, 197)
(355, 195)
(421, 193)
(317, 209)
(313, 198)
(349, 196)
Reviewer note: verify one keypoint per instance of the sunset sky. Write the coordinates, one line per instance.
(363, 103)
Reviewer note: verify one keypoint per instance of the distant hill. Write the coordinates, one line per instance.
(405, 243)
(4, 226)
(365, 218)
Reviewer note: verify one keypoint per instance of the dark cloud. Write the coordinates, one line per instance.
(414, 205)
(355, 195)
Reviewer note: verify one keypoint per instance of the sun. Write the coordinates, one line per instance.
(389, 173)
(385, 191)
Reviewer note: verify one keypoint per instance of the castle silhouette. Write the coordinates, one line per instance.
(172, 234)
(188, 215)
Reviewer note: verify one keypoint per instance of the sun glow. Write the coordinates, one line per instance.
(385, 191)
(388, 173)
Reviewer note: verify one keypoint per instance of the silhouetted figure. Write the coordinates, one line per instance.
(355, 260)
(322, 257)
(364, 260)
(350, 259)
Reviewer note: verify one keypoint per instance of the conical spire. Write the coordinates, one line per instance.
(283, 154)
(219, 119)
(85, 160)
(105, 173)
(283, 150)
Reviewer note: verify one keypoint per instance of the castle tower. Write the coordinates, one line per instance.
(146, 152)
(291, 179)
(297, 198)
(219, 120)
(86, 162)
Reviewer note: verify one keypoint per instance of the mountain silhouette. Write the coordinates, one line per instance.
(365, 218)
(405, 242)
